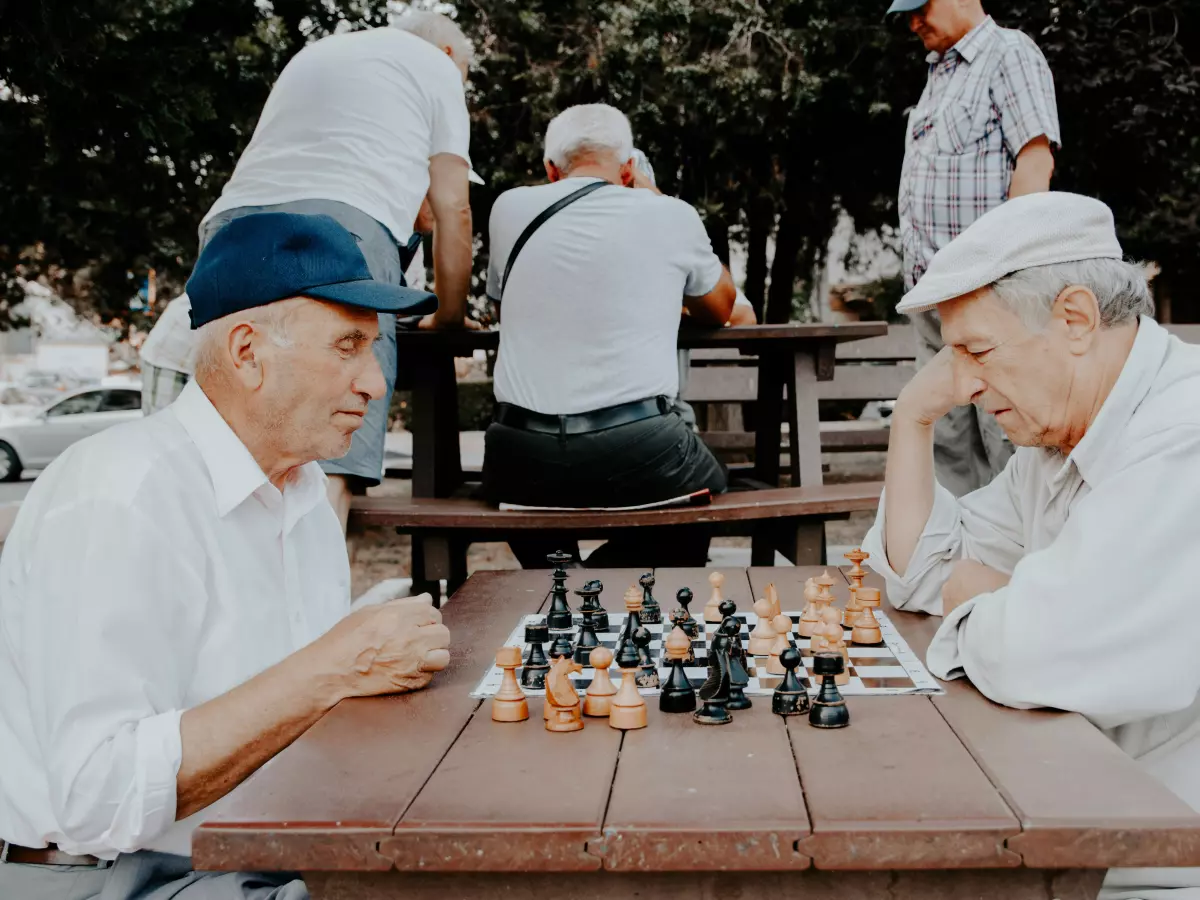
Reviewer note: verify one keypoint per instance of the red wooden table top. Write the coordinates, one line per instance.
(427, 782)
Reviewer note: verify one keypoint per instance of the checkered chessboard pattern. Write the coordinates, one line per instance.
(891, 668)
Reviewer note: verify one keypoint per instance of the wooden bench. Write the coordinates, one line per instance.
(790, 520)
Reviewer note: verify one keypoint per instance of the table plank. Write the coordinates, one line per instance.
(328, 799)
(690, 797)
(1081, 801)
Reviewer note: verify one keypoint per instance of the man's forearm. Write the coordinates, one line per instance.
(1034, 168)
(452, 238)
(228, 738)
(909, 488)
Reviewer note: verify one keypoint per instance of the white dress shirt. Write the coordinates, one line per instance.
(1100, 616)
(152, 567)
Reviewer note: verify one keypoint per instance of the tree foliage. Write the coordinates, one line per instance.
(121, 119)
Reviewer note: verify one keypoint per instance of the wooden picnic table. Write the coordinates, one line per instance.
(947, 796)
(791, 360)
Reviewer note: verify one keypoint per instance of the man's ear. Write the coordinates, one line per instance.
(552, 171)
(243, 345)
(1078, 312)
(627, 173)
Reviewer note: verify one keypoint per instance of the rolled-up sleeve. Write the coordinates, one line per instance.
(984, 526)
(110, 639)
(1103, 621)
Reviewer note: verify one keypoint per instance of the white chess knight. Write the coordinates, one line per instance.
(1048, 328)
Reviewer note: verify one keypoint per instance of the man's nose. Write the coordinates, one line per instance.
(914, 20)
(967, 384)
(370, 381)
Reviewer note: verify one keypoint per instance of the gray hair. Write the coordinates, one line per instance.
(1120, 289)
(211, 336)
(591, 128)
(439, 30)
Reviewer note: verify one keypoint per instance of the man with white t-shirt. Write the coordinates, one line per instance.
(363, 127)
(586, 377)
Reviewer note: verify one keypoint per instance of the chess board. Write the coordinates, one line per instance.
(892, 668)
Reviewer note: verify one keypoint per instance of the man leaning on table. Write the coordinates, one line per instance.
(174, 594)
(1068, 582)
(982, 131)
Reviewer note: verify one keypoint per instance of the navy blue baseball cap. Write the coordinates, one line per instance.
(264, 257)
(899, 6)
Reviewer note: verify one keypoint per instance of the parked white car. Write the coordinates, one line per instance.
(31, 439)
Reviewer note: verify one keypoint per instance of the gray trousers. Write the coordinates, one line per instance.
(145, 875)
(969, 446)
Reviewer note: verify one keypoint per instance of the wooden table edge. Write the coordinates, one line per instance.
(654, 849)
(481, 848)
(267, 847)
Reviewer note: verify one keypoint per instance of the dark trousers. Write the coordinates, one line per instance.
(641, 462)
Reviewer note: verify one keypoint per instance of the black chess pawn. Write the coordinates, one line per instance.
(790, 697)
(559, 616)
(562, 645)
(587, 641)
(590, 596)
(828, 708)
(533, 675)
(739, 678)
(677, 619)
(715, 691)
(648, 674)
(684, 596)
(651, 611)
(677, 694)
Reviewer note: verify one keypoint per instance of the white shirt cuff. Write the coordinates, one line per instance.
(160, 753)
(944, 656)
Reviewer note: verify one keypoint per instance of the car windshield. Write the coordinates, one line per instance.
(80, 403)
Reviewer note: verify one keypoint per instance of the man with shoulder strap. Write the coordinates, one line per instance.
(587, 377)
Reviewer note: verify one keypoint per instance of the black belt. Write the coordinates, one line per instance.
(47, 856)
(581, 423)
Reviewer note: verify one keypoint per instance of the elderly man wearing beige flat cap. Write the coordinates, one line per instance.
(1065, 582)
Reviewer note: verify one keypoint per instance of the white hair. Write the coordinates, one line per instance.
(211, 337)
(586, 130)
(439, 30)
(1120, 288)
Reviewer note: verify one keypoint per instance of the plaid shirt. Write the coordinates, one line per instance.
(986, 98)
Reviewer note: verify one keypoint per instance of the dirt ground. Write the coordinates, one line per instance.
(378, 553)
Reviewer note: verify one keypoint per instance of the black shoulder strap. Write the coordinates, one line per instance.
(540, 220)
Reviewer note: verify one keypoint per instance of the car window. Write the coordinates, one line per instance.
(80, 403)
(121, 400)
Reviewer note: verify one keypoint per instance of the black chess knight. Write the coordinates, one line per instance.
(739, 678)
(715, 691)
(590, 595)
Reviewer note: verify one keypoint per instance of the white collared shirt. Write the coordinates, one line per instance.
(152, 567)
(1100, 616)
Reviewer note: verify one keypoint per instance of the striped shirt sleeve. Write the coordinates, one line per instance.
(1023, 92)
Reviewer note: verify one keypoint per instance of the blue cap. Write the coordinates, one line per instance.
(264, 257)
(899, 6)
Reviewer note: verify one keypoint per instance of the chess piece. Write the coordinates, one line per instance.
(712, 611)
(509, 704)
(590, 594)
(587, 640)
(647, 670)
(678, 617)
(562, 645)
(828, 708)
(684, 596)
(825, 592)
(728, 609)
(559, 616)
(810, 616)
(835, 642)
(677, 695)
(562, 700)
(772, 596)
(866, 628)
(627, 710)
(651, 612)
(790, 697)
(715, 690)
(627, 653)
(762, 638)
(598, 699)
(533, 676)
(783, 626)
(739, 678)
(856, 574)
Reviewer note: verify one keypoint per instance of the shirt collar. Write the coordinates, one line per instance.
(234, 472)
(1133, 384)
(971, 43)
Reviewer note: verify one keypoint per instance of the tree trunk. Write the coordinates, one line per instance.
(718, 233)
(789, 240)
(761, 216)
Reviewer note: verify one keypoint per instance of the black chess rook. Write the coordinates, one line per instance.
(829, 707)
(533, 675)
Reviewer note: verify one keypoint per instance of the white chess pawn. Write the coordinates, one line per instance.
(762, 638)
(712, 612)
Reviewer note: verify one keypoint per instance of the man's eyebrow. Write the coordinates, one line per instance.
(357, 335)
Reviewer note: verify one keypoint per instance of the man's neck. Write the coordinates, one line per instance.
(277, 466)
(1111, 362)
(609, 173)
(971, 19)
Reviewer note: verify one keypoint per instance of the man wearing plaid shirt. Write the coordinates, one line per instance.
(983, 131)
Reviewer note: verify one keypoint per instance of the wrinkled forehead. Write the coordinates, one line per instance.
(979, 317)
(333, 319)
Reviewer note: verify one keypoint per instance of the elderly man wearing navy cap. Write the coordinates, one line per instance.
(174, 594)
(1066, 581)
(981, 132)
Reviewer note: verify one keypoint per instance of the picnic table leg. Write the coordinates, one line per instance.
(768, 429)
(800, 540)
(437, 460)
(804, 421)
